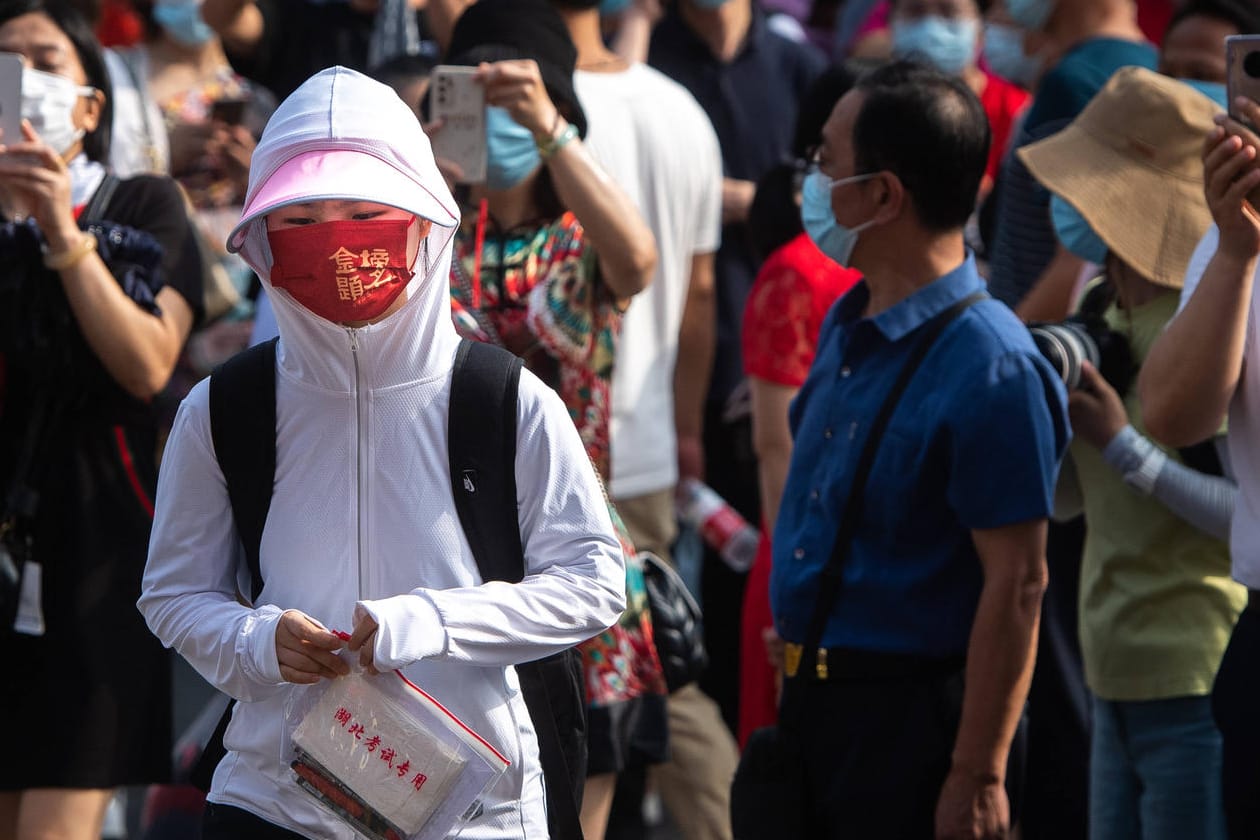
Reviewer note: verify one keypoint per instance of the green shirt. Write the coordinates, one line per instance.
(1157, 602)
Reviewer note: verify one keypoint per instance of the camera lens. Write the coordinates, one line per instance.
(1065, 346)
(1251, 65)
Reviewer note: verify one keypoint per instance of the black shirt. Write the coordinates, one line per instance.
(752, 103)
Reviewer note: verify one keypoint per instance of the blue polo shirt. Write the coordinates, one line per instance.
(751, 101)
(975, 443)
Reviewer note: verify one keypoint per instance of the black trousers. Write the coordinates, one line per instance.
(1235, 706)
(875, 750)
(223, 822)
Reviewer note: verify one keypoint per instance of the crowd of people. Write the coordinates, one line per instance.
(948, 302)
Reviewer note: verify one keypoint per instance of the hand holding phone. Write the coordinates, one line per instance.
(459, 101)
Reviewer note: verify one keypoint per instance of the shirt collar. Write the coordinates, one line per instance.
(675, 27)
(903, 318)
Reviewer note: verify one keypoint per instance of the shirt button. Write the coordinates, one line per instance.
(799, 554)
(827, 433)
(845, 372)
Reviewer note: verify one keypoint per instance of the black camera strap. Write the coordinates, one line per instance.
(813, 656)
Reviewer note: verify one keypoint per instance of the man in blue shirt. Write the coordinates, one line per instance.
(945, 571)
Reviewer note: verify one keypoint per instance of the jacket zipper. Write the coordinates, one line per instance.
(360, 457)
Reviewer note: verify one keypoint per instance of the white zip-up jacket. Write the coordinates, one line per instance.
(363, 511)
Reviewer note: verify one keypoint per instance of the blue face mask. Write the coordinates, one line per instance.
(1030, 14)
(947, 44)
(708, 4)
(1074, 232)
(1004, 53)
(609, 8)
(511, 153)
(181, 19)
(1212, 90)
(832, 238)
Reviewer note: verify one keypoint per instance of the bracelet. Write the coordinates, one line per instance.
(72, 256)
(548, 150)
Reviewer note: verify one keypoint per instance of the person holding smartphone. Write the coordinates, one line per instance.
(1204, 368)
(92, 322)
(549, 252)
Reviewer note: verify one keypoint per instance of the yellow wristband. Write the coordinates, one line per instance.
(72, 256)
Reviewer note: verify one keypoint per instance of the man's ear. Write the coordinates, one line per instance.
(891, 198)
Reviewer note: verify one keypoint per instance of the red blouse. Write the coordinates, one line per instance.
(786, 308)
(1004, 104)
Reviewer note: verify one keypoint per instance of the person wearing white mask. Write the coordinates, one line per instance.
(946, 34)
(904, 699)
(102, 284)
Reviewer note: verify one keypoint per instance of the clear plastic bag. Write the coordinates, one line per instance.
(387, 758)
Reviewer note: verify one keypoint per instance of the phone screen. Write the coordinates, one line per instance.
(11, 97)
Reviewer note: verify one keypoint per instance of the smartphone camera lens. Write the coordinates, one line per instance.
(1251, 64)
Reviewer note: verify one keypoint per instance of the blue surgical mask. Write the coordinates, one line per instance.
(182, 21)
(948, 44)
(832, 238)
(609, 8)
(511, 153)
(1074, 232)
(1032, 15)
(1004, 53)
(1212, 90)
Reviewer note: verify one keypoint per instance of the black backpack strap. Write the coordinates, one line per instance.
(243, 428)
(95, 209)
(481, 447)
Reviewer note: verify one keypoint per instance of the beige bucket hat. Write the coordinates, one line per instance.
(1131, 165)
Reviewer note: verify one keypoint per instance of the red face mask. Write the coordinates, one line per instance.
(343, 270)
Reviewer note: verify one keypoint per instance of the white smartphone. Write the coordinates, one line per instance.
(461, 101)
(10, 97)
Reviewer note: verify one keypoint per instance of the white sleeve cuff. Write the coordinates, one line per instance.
(409, 628)
(256, 646)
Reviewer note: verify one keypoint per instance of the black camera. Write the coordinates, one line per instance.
(1087, 337)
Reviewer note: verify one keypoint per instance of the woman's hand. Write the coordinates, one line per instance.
(1095, 409)
(363, 638)
(37, 180)
(307, 651)
(1229, 175)
(517, 86)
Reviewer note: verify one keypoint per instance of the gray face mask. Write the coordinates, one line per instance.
(48, 102)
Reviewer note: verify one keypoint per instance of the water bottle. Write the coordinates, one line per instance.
(721, 526)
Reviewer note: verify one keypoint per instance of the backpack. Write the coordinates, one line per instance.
(481, 429)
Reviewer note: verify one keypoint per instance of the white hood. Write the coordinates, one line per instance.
(342, 110)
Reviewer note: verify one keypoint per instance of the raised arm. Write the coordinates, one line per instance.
(137, 348)
(239, 24)
(614, 226)
(1193, 369)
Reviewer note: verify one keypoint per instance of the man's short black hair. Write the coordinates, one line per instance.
(1241, 14)
(930, 131)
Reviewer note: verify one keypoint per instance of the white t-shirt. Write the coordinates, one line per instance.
(656, 142)
(1243, 438)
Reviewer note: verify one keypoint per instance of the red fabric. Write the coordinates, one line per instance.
(785, 311)
(1004, 103)
(758, 700)
(1153, 17)
(786, 308)
(342, 270)
(119, 25)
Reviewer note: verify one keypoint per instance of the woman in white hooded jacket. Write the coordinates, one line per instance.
(362, 533)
